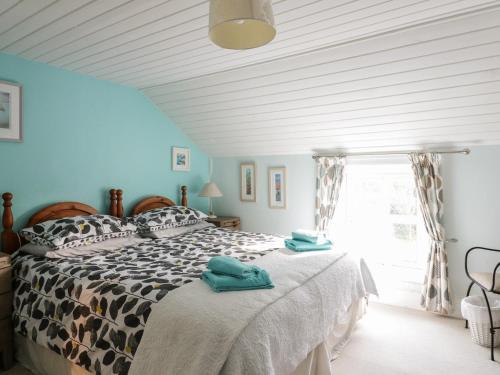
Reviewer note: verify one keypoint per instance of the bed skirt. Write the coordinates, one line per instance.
(42, 361)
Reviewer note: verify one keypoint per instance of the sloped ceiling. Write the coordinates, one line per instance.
(344, 75)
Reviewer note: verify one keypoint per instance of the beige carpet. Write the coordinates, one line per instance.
(394, 341)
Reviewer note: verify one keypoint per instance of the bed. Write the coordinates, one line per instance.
(142, 308)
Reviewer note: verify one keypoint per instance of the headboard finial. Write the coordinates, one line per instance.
(10, 242)
(7, 218)
(119, 203)
(113, 208)
(184, 195)
(7, 197)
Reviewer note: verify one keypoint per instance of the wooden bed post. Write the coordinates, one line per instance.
(10, 241)
(119, 203)
(113, 203)
(184, 201)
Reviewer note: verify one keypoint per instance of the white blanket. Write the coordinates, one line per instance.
(196, 331)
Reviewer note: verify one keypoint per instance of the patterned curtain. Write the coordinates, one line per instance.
(329, 176)
(429, 183)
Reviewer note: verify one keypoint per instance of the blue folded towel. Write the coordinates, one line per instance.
(307, 236)
(224, 283)
(224, 265)
(296, 245)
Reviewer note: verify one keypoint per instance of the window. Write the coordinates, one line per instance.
(378, 218)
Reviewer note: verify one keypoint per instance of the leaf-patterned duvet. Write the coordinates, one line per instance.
(92, 309)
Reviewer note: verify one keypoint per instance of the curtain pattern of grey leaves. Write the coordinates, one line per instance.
(329, 176)
(435, 292)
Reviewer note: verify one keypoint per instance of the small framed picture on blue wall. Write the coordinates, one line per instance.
(10, 112)
(247, 182)
(277, 187)
(181, 159)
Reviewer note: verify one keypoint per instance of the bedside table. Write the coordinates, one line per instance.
(228, 222)
(6, 344)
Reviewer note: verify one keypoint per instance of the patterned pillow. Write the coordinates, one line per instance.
(167, 217)
(76, 231)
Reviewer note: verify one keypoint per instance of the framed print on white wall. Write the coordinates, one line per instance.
(247, 182)
(181, 159)
(277, 187)
(10, 112)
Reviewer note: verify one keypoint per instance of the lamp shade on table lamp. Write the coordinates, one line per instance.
(210, 190)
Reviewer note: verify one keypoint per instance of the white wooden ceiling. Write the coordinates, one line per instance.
(350, 75)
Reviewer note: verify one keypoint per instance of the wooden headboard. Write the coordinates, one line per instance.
(11, 241)
(59, 211)
(158, 201)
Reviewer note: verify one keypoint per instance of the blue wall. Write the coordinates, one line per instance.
(257, 216)
(83, 136)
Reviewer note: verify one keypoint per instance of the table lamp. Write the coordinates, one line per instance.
(210, 190)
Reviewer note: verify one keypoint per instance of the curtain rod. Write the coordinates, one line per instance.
(464, 151)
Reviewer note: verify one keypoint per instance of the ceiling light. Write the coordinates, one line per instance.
(241, 24)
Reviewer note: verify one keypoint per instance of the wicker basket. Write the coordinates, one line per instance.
(475, 311)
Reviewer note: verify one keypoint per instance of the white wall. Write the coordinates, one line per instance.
(472, 211)
(472, 202)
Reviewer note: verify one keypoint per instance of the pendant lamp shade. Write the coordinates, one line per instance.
(241, 24)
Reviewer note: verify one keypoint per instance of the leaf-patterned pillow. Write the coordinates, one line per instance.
(77, 231)
(167, 217)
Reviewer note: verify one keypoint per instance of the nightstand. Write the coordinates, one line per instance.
(228, 222)
(6, 344)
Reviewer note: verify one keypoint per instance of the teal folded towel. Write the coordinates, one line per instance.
(224, 265)
(223, 283)
(307, 236)
(296, 245)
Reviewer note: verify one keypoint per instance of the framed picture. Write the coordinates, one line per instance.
(247, 180)
(277, 187)
(10, 112)
(181, 159)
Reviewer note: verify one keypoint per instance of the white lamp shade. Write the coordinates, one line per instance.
(210, 190)
(241, 24)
